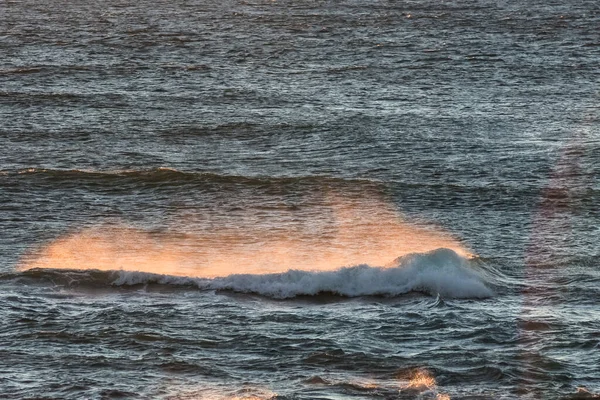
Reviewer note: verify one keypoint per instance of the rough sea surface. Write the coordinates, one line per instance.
(299, 199)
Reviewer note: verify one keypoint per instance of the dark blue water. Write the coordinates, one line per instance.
(218, 199)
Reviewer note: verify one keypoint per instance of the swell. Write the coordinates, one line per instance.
(172, 176)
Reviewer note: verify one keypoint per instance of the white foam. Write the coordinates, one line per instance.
(439, 272)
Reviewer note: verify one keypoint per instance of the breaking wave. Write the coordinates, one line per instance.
(440, 272)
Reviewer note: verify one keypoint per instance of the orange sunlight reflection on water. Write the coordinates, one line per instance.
(422, 381)
(244, 393)
(355, 232)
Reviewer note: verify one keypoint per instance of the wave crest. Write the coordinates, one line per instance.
(440, 272)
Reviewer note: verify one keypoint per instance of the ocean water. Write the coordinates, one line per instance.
(299, 199)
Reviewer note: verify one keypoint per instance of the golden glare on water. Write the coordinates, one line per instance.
(354, 232)
(245, 393)
(422, 381)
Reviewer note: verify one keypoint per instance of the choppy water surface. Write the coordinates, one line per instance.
(299, 200)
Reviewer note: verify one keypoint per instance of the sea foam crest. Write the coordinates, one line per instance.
(439, 272)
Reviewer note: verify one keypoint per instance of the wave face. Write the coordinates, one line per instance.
(440, 272)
